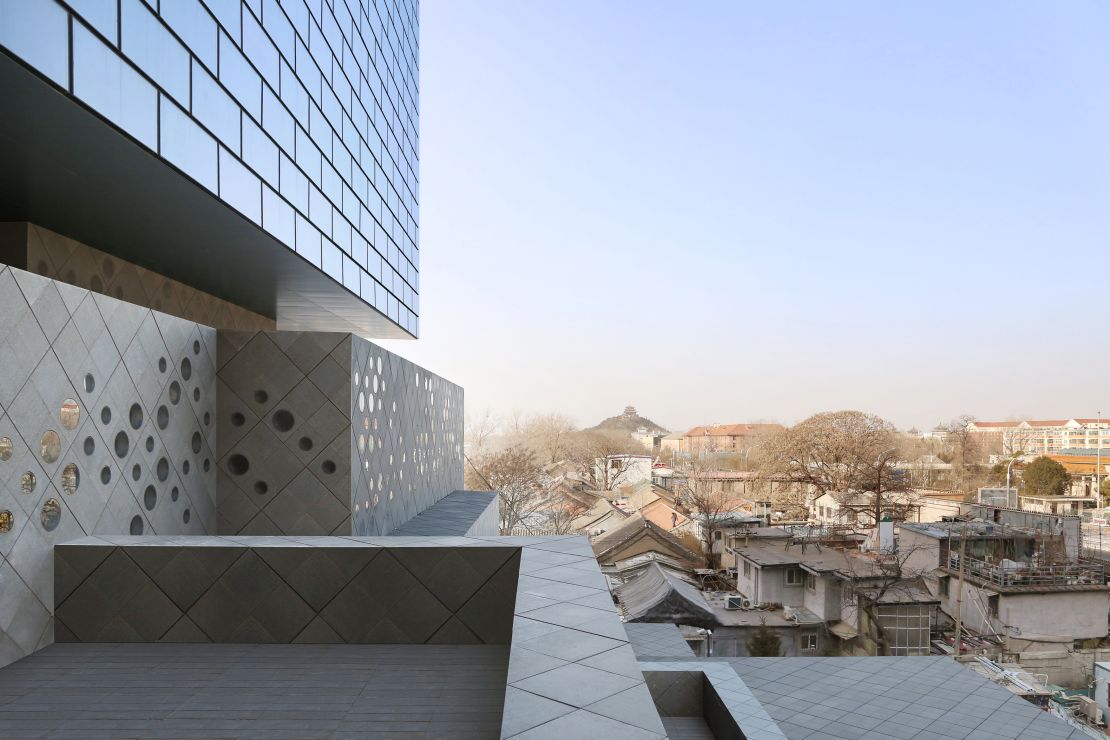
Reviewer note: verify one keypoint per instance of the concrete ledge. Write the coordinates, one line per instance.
(458, 514)
(572, 672)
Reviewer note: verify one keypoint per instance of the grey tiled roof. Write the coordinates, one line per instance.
(877, 698)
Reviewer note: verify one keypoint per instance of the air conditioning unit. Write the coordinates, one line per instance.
(738, 602)
(1089, 709)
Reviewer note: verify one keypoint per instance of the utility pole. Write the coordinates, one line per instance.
(960, 592)
(1098, 461)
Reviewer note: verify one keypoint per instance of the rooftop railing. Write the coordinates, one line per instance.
(1012, 573)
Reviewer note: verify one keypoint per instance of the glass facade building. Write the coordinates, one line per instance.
(300, 116)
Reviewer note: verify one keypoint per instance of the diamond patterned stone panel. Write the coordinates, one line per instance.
(100, 433)
(277, 590)
(325, 433)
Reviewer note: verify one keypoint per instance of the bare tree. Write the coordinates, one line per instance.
(518, 479)
(709, 504)
(551, 436)
(849, 454)
(602, 460)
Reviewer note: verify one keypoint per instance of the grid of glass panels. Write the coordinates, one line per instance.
(906, 627)
(300, 114)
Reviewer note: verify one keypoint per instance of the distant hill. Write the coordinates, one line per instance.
(627, 422)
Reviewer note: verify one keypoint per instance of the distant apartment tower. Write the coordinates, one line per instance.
(1043, 437)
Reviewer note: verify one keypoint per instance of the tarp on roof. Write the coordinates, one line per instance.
(658, 595)
(844, 631)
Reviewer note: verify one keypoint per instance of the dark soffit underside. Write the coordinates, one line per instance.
(65, 168)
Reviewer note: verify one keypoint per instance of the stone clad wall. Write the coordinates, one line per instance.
(325, 433)
(107, 424)
(118, 419)
(406, 444)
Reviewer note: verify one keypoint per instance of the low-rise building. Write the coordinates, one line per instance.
(635, 536)
(1021, 584)
(857, 507)
(869, 605)
(726, 438)
(613, 471)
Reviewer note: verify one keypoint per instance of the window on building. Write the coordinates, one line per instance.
(717, 535)
(747, 569)
(992, 605)
(794, 576)
(944, 586)
(809, 642)
(811, 582)
(906, 627)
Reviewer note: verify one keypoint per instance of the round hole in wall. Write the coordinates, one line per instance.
(50, 446)
(196, 347)
(122, 445)
(238, 464)
(150, 498)
(105, 415)
(261, 487)
(5, 448)
(174, 493)
(196, 393)
(136, 527)
(105, 475)
(261, 396)
(207, 465)
(136, 472)
(27, 482)
(71, 479)
(175, 392)
(90, 383)
(305, 443)
(162, 470)
(150, 444)
(135, 416)
(238, 420)
(185, 467)
(186, 369)
(89, 445)
(195, 443)
(185, 516)
(70, 414)
(162, 417)
(51, 514)
(7, 521)
(207, 419)
(162, 364)
(328, 467)
(283, 420)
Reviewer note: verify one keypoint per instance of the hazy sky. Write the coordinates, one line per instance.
(732, 211)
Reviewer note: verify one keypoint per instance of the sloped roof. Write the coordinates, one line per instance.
(659, 595)
(733, 430)
(636, 527)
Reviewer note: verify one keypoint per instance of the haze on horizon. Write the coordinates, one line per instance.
(724, 212)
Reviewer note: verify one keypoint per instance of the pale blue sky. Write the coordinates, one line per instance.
(727, 211)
